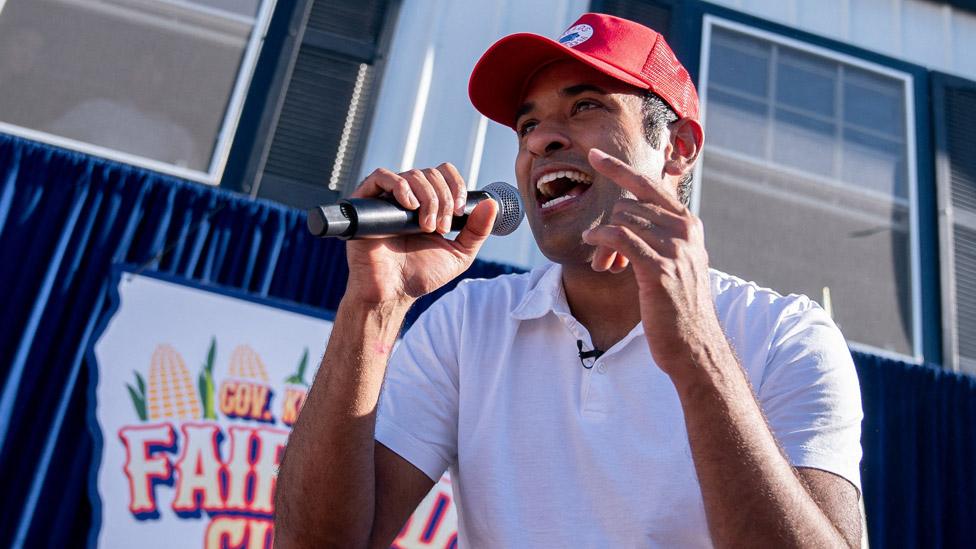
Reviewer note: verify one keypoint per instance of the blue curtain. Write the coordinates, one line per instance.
(919, 467)
(65, 218)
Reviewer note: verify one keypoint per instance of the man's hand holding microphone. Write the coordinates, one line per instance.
(397, 222)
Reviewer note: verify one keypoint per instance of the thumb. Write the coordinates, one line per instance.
(477, 228)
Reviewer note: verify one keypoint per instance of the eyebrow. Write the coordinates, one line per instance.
(570, 91)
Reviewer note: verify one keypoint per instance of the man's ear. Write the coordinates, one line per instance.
(686, 138)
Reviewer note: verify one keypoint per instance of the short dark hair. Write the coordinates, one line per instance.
(657, 115)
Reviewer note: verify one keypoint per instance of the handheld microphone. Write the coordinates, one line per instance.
(379, 218)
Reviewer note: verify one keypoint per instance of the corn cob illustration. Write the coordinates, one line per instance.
(171, 394)
(205, 382)
(246, 364)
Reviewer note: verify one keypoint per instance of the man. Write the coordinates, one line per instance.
(718, 412)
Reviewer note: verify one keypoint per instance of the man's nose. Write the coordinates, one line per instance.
(547, 138)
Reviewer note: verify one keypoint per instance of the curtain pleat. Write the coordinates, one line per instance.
(66, 218)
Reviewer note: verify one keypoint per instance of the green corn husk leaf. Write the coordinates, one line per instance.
(302, 365)
(205, 386)
(138, 402)
(211, 355)
(298, 378)
(209, 408)
(142, 384)
(202, 388)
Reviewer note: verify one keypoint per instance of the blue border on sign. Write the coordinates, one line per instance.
(117, 272)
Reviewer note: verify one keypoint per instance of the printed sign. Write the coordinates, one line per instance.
(195, 392)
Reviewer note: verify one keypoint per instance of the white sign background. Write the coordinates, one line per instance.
(154, 312)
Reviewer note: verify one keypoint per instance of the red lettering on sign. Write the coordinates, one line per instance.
(146, 464)
(198, 470)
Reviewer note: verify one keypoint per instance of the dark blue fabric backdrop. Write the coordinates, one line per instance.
(919, 466)
(65, 218)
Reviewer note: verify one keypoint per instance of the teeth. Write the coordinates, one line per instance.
(568, 174)
(558, 200)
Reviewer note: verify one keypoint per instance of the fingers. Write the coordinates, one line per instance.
(655, 227)
(445, 199)
(645, 214)
(646, 229)
(438, 194)
(427, 195)
(623, 242)
(603, 258)
(383, 180)
(607, 259)
(459, 189)
(645, 189)
(619, 264)
(477, 228)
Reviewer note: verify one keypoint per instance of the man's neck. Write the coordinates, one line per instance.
(605, 303)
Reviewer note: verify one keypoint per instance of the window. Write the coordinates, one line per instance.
(156, 84)
(808, 179)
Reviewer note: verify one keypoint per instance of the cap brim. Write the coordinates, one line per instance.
(498, 80)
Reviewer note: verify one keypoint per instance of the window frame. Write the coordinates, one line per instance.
(224, 137)
(709, 22)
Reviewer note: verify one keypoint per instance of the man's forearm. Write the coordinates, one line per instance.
(325, 491)
(752, 495)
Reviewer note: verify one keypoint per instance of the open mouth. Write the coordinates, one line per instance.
(554, 188)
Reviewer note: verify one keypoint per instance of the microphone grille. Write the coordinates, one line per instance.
(510, 211)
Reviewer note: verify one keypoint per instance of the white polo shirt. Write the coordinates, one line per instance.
(546, 453)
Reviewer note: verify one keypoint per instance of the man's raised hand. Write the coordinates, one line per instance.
(664, 244)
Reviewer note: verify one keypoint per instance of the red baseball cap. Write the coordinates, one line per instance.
(627, 51)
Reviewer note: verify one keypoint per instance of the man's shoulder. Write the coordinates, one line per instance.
(758, 320)
(733, 295)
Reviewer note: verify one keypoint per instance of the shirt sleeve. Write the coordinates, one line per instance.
(417, 416)
(810, 393)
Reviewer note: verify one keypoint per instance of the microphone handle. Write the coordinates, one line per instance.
(377, 218)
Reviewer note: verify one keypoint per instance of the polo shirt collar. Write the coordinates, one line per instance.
(545, 294)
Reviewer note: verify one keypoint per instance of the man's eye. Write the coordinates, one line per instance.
(526, 127)
(585, 105)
